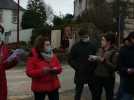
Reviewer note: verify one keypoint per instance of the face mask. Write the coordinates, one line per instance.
(85, 39)
(49, 50)
(2, 37)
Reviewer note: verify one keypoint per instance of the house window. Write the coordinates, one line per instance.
(7, 35)
(1, 14)
(131, 12)
(14, 17)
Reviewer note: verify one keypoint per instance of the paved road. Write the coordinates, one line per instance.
(19, 84)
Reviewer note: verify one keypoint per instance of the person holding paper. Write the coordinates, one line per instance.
(4, 64)
(43, 68)
(107, 64)
(84, 69)
(126, 70)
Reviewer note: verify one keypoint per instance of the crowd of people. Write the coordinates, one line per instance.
(97, 67)
(93, 66)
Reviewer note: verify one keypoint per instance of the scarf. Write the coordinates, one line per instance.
(2, 37)
(47, 56)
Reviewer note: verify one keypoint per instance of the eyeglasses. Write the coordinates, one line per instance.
(47, 44)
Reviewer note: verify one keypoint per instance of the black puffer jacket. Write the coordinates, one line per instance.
(126, 60)
(78, 60)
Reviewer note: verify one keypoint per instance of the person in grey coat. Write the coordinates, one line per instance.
(105, 70)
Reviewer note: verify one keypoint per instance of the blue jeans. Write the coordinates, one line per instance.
(127, 96)
(122, 93)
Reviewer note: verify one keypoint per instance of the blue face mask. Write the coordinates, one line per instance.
(49, 50)
(2, 37)
(85, 39)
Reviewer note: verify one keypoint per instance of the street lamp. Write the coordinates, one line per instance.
(18, 21)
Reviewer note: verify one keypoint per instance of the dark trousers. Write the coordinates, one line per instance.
(107, 84)
(51, 95)
(120, 90)
(79, 89)
(122, 93)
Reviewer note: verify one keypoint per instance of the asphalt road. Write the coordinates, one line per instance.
(19, 85)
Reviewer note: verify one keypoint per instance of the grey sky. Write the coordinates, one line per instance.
(59, 6)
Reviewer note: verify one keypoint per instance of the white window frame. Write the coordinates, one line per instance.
(1, 15)
(14, 16)
(131, 12)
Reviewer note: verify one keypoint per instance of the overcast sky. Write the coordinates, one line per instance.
(59, 6)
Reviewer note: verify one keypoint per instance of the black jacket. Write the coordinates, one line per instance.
(78, 59)
(126, 60)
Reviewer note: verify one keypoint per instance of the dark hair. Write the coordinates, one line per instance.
(110, 37)
(125, 39)
(83, 31)
(39, 44)
(2, 28)
(130, 36)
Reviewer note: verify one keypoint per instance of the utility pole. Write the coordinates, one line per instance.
(122, 10)
(18, 21)
(118, 6)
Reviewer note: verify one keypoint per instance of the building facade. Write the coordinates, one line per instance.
(8, 15)
(79, 7)
(82, 5)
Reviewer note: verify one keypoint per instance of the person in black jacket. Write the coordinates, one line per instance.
(119, 93)
(126, 69)
(84, 69)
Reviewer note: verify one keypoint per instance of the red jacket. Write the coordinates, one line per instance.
(4, 53)
(40, 81)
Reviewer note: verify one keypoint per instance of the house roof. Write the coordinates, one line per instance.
(9, 4)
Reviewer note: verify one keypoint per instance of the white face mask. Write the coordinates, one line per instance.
(87, 39)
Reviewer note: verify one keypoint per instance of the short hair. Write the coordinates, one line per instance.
(2, 28)
(131, 35)
(39, 42)
(83, 31)
(110, 37)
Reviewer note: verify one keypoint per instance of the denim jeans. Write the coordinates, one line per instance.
(127, 96)
(122, 93)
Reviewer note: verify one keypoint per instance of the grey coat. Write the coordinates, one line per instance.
(108, 67)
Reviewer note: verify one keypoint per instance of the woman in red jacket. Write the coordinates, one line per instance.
(4, 53)
(43, 67)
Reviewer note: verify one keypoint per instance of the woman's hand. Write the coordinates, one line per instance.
(130, 71)
(102, 59)
(54, 71)
(47, 70)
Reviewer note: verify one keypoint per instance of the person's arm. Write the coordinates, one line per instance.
(110, 59)
(31, 69)
(6, 64)
(9, 65)
(72, 59)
